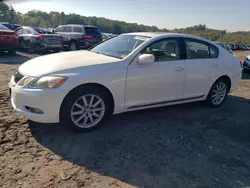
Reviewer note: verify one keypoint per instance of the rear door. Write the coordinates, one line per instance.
(92, 35)
(201, 68)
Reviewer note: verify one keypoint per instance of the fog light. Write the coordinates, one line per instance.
(34, 110)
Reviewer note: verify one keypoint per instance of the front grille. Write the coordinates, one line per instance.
(17, 76)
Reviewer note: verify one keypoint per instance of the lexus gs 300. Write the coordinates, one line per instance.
(129, 72)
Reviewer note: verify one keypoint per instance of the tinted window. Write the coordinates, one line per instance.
(92, 31)
(2, 27)
(165, 50)
(67, 29)
(59, 29)
(196, 50)
(77, 29)
(213, 51)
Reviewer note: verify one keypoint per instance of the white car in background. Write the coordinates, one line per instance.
(129, 72)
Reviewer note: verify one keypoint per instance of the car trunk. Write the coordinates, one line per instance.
(8, 39)
(51, 39)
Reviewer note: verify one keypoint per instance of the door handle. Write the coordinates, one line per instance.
(179, 69)
(215, 65)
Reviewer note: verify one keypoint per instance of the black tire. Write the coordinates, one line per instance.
(30, 47)
(12, 52)
(75, 95)
(73, 46)
(56, 51)
(209, 99)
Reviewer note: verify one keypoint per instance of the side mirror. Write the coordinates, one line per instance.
(146, 59)
(53, 31)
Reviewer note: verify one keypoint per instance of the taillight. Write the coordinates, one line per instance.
(87, 37)
(13, 37)
(39, 37)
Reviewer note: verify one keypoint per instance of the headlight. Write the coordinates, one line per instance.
(47, 82)
(25, 81)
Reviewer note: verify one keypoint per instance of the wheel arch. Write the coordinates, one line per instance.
(227, 79)
(100, 86)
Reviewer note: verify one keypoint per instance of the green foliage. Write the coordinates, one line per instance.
(54, 19)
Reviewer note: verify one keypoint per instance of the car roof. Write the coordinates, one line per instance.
(79, 25)
(164, 34)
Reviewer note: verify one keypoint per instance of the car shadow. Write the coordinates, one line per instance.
(178, 146)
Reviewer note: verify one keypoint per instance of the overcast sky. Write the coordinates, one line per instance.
(231, 15)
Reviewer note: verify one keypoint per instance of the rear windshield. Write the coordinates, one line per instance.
(2, 27)
(92, 31)
(41, 31)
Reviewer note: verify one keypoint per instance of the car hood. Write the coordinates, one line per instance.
(54, 63)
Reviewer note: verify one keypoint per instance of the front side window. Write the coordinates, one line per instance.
(165, 50)
(120, 46)
(59, 29)
(67, 29)
(196, 50)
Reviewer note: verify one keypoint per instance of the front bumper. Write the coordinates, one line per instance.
(47, 100)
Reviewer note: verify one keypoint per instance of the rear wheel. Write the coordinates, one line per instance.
(30, 47)
(73, 46)
(85, 108)
(218, 93)
(56, 51)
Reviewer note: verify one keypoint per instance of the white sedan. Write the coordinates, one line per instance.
(129, 72)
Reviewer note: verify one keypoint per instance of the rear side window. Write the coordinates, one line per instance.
(67, 29)
(92, 31)
(77, 29)
(214, 52)
(196, 50)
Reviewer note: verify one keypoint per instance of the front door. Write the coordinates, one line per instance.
(157, 83)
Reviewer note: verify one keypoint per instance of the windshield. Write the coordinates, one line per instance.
(2, 27)
(120, 46)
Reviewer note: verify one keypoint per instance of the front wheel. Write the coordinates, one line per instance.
(218, 93)
(84, 109)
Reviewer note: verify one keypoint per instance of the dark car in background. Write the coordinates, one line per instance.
(11, 26)
(8, 40)
(226, 46)
(79, 36)
(37, 39)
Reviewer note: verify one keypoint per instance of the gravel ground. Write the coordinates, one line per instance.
(179, 146)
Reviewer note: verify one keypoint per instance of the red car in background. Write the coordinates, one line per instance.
(8, 40)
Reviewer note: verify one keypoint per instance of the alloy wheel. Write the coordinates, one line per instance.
(219, 93)
(87, 111)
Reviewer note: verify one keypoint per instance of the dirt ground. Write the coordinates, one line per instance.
(179, 146)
